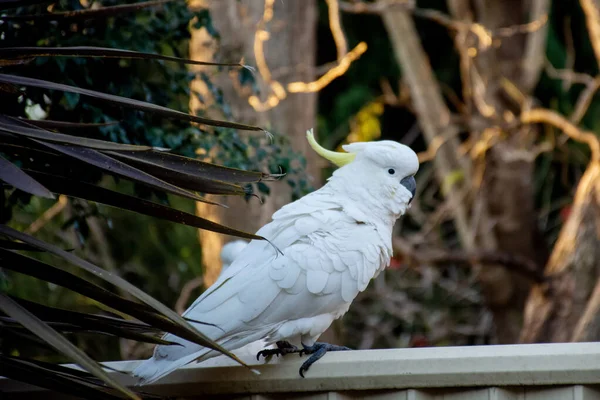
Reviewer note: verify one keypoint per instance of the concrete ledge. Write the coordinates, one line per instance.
(394, 369)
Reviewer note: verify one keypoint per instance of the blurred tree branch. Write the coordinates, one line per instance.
(570, 310)
(553, 315)
(490, 195)
(432, 112)
(329, 72)
(557, 120)
(488, 217)
(591, 9)
(521, 265)
(48, 215)
(588, 326)
(182, 301)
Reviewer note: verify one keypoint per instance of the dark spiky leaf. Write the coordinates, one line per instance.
(58, 276)
(24, 335)
(10, 327)
(55, 377)
(8, 88)
(52, 174)
(6, 4)
(66, 321)
(14, 176)
(124, 102)
(20, 127)
(30, 266)
(79, 14)
(49, 124)
(187, 331)
(114, 166)
(16, 53)
(179, 178)
(200, 168)
(98, 194)
(9, 244)
(191, 173)
(59, 342)
(15, 61)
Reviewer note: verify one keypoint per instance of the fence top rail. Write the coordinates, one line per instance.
(415, 368)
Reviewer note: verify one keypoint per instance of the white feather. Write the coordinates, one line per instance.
(334, 241)
(230, 251)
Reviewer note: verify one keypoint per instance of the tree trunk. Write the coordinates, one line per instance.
(504, 219)
(510, 61)
(290, 56)
(202, 47)
(567, 308)
(432, 113)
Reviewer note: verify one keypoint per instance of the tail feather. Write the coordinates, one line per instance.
(151, 370)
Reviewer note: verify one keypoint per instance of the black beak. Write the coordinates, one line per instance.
(410, 184)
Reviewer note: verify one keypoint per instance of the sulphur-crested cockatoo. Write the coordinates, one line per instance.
(228, 254)
(230, 251)
(328, 245)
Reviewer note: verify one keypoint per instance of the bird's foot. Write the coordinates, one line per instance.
(316, 351)
(282, 349)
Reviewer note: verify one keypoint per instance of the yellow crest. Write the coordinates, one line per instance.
(339, 159)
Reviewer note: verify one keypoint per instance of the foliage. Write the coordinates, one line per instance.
(442, 303)
(59, 137)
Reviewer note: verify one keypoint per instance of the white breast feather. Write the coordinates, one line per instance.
(327, 259)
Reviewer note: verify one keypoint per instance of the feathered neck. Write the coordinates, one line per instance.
(354, 190)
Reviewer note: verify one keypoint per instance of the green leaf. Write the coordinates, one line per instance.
(70, 100)
(14, 176)
(189, 332)
(123, 101)
(59, 342)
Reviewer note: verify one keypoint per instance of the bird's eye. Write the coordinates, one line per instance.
(391, 171)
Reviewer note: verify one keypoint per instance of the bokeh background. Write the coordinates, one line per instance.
(498, 97)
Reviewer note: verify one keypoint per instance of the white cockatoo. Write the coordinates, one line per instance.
(229, 253)
(324, 250)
